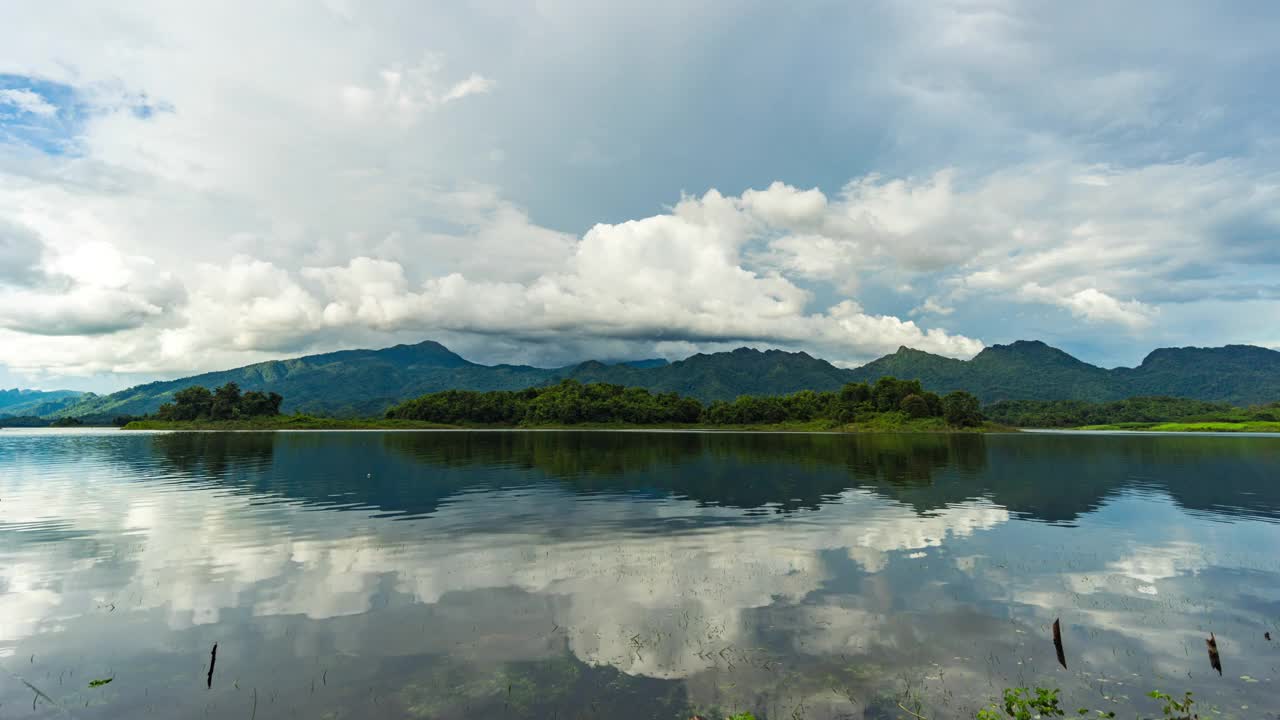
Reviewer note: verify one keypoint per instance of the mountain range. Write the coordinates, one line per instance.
(366, 382)
(17, 402)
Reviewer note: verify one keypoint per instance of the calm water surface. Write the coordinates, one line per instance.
(630, 575)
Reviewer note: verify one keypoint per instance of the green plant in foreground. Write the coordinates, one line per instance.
(100, 683)
(1022, 704)
(1175, 709)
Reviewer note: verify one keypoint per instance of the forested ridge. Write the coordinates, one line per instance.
(889, 402)
(364, 383)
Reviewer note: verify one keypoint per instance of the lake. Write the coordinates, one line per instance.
(631, 574)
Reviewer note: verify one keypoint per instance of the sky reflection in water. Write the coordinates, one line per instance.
(630, 575)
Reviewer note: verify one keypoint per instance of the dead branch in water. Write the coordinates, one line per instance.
(213, 660)
(912, 713)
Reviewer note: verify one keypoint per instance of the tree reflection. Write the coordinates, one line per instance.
(1052, 478)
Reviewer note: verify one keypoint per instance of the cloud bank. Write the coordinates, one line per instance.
(542, 185)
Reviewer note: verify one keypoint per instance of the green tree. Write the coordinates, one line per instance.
(855, 393)
(256, 403)
(934, 402)
(889, 392)
(961, 409)
(914, 406)
(188, 404)
(226, 402)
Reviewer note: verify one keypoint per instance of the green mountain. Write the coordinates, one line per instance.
(1023, 370)
(18, 402)
(350, 382)
(722, 376)
(366, 382)
(1238, 374)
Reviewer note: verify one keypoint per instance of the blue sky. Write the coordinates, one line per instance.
(546, 182)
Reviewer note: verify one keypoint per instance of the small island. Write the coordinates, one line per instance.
(890, 405)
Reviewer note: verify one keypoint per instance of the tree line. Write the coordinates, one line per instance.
(1155, 409)
(223, 403)
(570, 402)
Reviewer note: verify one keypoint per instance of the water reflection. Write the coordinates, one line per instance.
(628, 574)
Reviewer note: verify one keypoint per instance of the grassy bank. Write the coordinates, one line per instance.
(1247, 426)
(889, 422)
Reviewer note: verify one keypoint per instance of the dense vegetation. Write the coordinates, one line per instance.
(570, 402)
(224, 403)
(1138, 410)
(888, 404)
(363, 383)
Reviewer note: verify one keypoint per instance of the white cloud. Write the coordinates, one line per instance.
(1039, 234)
(1094, 305)
(405, 93)
(87, 311)
(640, 279)
(783, 205)
(476, 84)
(90, 290)
(28, 101)
(931, 306)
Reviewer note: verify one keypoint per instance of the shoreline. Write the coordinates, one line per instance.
(294, 423)
(306, 423)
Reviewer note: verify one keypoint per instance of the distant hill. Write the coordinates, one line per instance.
(346, 383)
(18, 402)
(1032, 370)
(1024, 370)
(722, 376)
(366, 382)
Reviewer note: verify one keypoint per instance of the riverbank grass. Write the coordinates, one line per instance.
(1248, 426)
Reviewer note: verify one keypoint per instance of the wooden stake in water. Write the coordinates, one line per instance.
(1057, 644)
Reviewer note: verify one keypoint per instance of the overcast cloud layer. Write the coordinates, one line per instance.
(190, 188)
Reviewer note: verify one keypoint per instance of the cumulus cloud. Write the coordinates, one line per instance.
(637, 280)
(785, 206)
(1038, 234)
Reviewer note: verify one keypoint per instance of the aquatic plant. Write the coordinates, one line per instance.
(1024, 704)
